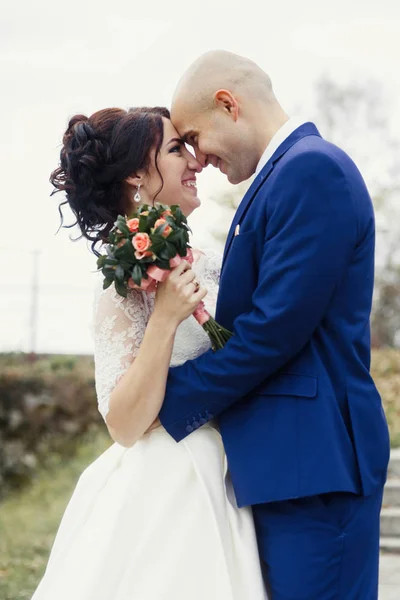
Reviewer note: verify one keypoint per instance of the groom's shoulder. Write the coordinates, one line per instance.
(315, 149)
(315, 155)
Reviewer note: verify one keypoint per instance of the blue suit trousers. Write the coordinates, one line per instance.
(320, 547)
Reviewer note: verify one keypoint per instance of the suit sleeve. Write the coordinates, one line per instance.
(311, 234)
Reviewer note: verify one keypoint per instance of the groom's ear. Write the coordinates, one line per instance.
(225, 100)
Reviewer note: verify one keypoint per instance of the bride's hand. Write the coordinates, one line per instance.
(178, 296)
(154, 425)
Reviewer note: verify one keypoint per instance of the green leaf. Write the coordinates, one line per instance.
(171, 249)
(137, 274)
(127, 266)
(101, 261)
(164, 254)
(183, 235)
(125, 253)
(119, 274)
(156, 238)
(143, 226)
(174, 236)
(179, 217)
(122, 226)
(106, 283)
(157, 243)
(148, 260)
(110, 261)
(109, 273)
(163, 264)
(121, 289)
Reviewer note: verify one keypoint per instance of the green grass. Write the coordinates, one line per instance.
(29, 519)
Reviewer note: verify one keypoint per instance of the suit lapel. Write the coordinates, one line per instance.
(245, 203)
(301, 132)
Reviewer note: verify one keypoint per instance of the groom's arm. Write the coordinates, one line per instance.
(311, 234)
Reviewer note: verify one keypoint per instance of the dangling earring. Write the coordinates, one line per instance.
(137, 197)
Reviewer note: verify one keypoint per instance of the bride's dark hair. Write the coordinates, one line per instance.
(98, 153)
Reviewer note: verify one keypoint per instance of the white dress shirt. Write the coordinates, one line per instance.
(280, 136)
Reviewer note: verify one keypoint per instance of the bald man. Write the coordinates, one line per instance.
(301, 420)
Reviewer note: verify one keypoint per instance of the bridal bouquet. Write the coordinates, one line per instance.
(143, 248)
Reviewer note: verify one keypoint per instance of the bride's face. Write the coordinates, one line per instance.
(178, 168)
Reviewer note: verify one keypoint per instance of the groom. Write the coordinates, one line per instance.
(301, 419)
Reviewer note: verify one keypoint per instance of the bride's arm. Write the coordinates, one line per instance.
(132, 360)
(137, 398)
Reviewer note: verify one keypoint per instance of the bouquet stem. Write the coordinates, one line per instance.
(218, 335)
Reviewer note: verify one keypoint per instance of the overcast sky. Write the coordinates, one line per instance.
(60, 58)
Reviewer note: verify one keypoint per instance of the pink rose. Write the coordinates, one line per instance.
(167, 230)
(133, 225)
(141, 242)
(166, 213)
(140, 255)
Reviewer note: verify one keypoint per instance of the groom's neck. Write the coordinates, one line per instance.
(269, 122)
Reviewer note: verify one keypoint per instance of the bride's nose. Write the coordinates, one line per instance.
(194, 165)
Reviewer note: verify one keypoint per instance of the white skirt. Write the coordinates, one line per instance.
(157, 521)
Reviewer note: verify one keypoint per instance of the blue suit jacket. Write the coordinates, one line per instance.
(298, 410)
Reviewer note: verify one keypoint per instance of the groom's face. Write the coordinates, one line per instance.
(216, 140)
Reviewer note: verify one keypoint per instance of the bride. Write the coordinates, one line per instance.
(150, 519)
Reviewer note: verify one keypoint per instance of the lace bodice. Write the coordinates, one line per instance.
(120, 323)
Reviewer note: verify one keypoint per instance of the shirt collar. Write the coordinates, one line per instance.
(280, 136)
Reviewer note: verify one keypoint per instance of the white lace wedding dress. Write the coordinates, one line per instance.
(157, 521)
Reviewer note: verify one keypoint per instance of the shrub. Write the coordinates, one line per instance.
(386, 373)
(45, 406)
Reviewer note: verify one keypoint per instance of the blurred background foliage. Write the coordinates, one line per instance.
(46, 404)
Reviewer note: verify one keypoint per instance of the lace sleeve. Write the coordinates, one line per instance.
(119, 326)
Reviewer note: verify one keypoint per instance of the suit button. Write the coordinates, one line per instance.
(202, 421)
(189, 428)
(196, 424)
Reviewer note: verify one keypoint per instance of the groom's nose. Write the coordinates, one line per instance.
(201, 157)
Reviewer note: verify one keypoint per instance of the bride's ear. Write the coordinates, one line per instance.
(135, 179)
